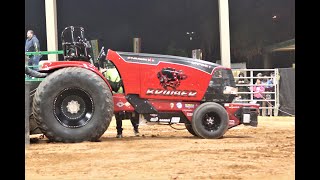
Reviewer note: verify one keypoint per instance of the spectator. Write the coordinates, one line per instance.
(243, 81)
(259, 75)
(32, 45)
(265, 96)
(258, 89)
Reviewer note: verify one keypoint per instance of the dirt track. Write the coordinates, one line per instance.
(265, 152)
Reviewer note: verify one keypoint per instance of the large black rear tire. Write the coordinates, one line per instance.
(210, 120)
(73, 105)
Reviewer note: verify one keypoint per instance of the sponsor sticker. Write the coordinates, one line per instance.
(234, 107)
(200, 64)
(179, 105)
(120, 104)
(189, 114)
(127, 104)
(141, 59)
(171, 105)
(154, 119)
(164, 120)
(154, 115)
(175, 119)
(189, 106)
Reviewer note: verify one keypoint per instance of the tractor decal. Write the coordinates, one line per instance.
(170, 77)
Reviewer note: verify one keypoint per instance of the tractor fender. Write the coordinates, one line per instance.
(50, 66)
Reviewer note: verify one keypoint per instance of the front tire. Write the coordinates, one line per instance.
(73, 105)
(190, 129)
(210, 120)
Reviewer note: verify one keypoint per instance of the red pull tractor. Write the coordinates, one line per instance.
(75, 102)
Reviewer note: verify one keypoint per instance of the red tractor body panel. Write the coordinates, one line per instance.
(145, 76)
(121, 103)
(129, 73)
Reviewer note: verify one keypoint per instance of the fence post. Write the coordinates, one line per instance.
(276, 104)
(251, 82)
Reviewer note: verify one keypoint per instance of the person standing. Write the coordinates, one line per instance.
(32, 45)
(258, 89)
(265, 96)
(115, 81)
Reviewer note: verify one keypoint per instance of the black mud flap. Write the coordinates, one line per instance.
(248, 116)
(141, 106)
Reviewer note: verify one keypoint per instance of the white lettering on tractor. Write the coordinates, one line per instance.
(192, 93)
(158, 92)
(171, 92)
(150, 91)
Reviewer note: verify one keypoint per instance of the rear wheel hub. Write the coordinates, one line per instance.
(73, 107)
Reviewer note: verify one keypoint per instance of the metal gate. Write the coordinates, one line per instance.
(270, 98)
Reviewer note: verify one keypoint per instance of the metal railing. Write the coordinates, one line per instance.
(270, 105)
(28, 78)
(43, 52)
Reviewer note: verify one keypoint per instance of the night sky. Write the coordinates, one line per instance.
(160, 23)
